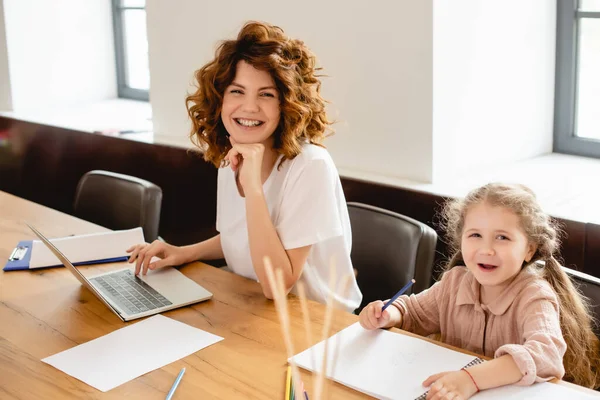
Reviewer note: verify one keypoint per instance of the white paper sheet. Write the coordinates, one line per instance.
(538, 391)
(80, 248)
(129, 352)
(388, 365)
(383, 364)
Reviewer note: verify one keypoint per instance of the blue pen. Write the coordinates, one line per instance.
(400, 292)
(177, 380)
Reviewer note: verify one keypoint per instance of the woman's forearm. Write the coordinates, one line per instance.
(209, 249)
(264, 242)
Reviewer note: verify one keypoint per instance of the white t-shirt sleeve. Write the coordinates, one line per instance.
(309, 211)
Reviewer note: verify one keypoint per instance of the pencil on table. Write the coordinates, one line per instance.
(303, 391)
(288, 382)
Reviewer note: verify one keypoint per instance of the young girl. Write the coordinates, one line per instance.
(494, 299)
(258, 114)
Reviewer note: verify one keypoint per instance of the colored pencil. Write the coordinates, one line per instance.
(400, 293)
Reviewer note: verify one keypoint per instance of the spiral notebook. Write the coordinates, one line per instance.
(401, 362)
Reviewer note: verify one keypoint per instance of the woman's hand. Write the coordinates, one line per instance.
(371, 317)
(246, 160)
(451, 385)
(142, 255)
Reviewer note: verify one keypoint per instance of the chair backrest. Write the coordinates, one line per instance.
(388, 250)
(118, 201)
(590, 288)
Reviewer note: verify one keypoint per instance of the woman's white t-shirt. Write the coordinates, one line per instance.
(307, 206)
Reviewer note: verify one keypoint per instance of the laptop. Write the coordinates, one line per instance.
(130, 296)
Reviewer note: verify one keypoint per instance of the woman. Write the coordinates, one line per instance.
(259, 117)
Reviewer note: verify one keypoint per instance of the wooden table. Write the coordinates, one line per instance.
(43, 312)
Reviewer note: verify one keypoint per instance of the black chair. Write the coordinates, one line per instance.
(118, 201)
(388, 250)
(590, 287)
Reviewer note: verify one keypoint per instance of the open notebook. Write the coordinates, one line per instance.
(383, 364)
(388, 365)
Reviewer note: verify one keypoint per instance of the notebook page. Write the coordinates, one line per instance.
(538, 391)
(382, 364)
(80, 248)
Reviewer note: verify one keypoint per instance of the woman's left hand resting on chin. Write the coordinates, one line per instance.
(246, 160)
(450, 385)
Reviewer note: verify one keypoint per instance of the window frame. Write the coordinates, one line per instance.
(123, 90)
(565, 97)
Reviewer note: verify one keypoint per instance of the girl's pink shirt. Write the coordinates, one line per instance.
(523, 321)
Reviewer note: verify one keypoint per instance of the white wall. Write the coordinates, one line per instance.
(5, 95)
(493, 80)
(422, 90)
(378, 56)
(60, 52)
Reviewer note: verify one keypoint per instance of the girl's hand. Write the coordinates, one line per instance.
(450, 385)
(142, 255)
(371, 317)
(246, 159)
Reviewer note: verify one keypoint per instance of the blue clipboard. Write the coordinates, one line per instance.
(21, 255)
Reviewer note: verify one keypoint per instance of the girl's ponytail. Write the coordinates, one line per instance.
(582, 359)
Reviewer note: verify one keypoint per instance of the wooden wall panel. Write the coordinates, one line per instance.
(44, 164)
(573, 243)
(418, 205)
(591, 264)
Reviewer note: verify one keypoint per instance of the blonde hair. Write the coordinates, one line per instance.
(581, 360)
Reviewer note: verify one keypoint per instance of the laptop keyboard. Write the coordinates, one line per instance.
(130, 292)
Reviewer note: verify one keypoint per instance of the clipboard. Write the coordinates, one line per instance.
(21, 256)
(104, 247)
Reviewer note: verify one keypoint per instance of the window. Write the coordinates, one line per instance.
(131, 48)
(577, 98)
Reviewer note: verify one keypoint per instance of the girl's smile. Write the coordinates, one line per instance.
(494, 247)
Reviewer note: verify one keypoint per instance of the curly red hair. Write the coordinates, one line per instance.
(293, 68)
